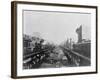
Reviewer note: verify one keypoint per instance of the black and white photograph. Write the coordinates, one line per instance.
(53, 39)
(56, 39)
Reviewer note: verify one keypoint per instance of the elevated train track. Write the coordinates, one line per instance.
(76, 58)
(34, 60)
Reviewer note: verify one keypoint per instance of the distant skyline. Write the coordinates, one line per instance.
(55, 26)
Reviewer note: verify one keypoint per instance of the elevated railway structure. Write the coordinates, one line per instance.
(75, 58)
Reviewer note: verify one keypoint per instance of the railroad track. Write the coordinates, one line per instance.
(34, 60)
(31, 54)
(76, 58)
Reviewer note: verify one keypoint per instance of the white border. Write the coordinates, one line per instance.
(21, 72)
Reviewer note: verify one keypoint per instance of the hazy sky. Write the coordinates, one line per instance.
(55, 26)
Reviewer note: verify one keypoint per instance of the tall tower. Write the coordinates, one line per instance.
(79, 32)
